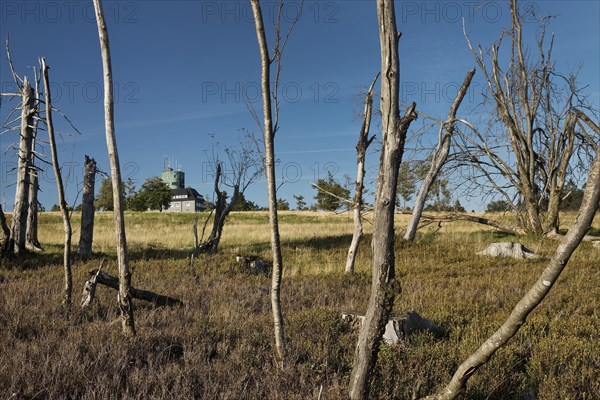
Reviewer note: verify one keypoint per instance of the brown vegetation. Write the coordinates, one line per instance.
(219, 345)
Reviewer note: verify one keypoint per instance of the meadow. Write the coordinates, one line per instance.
(220, 344)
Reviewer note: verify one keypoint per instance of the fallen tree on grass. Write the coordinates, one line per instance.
(99, 277)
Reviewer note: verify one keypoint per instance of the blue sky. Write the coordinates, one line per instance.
(182, 67)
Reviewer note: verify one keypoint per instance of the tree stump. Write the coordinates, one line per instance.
(508, 250)
(398, 329)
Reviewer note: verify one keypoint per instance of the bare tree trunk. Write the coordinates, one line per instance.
(60, 187)
(124, 296)
(361, 151)
(222, 210)
(557, 182)
(269, 136)
(32, 217)
(86, 237)
(5, 231)
(32, 240)
(19, 220)
(384, 285)
(535, 295)
(439, 159)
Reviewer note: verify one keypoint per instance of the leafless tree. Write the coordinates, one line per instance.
(361, 150)
(535, 295)
(246, 166)
(269, 128)
(87, 207)
(531, 146)
(124, 296)
(60, 187)
(438, 158)
(32, 240)
(384, 285)
(20, 211)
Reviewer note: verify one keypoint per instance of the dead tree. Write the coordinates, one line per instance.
(20, 211)
(384, 285)
(32, 240)
(361, 150)
(87, 207)
(535, 295)
(427, 219)
(60, 187)
(438, 159)
(246, 165)
(124, 296)
(269, 128)
(533, 110)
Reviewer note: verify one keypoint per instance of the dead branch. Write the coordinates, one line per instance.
(99, 277)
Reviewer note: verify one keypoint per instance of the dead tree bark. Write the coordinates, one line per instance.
(5, 230)
(384, 285)
(20, 211)
(222, 210)
(269, 128)
(99, 277)
(534, 110)
(86, 237)
(428, 219)
(32, 240)
(535, 295)
(440, 156)
(361, 150)
(32, 217)
(60, 187)
(124, 296)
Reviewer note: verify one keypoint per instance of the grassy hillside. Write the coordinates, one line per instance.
(220, 344)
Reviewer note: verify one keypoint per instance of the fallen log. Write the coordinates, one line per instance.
(427, 219)
(99, 277)
(399, 328)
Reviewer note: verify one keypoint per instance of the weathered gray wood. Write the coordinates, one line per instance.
(221, 211)
(398, 329)
(124, 296)
(384, 285)
(18, 235)
(60, 187)
(32, 240)
(508, 250)
(535, 295)
(88, 210)
(102, 278)
(439, 158)
(361, 150)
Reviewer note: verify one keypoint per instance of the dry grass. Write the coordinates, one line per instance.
(219, 345)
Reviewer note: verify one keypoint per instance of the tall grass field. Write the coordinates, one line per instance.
(220, 344)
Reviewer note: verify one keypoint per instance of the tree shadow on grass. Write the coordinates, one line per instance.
(30, 260)
(322, 242)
